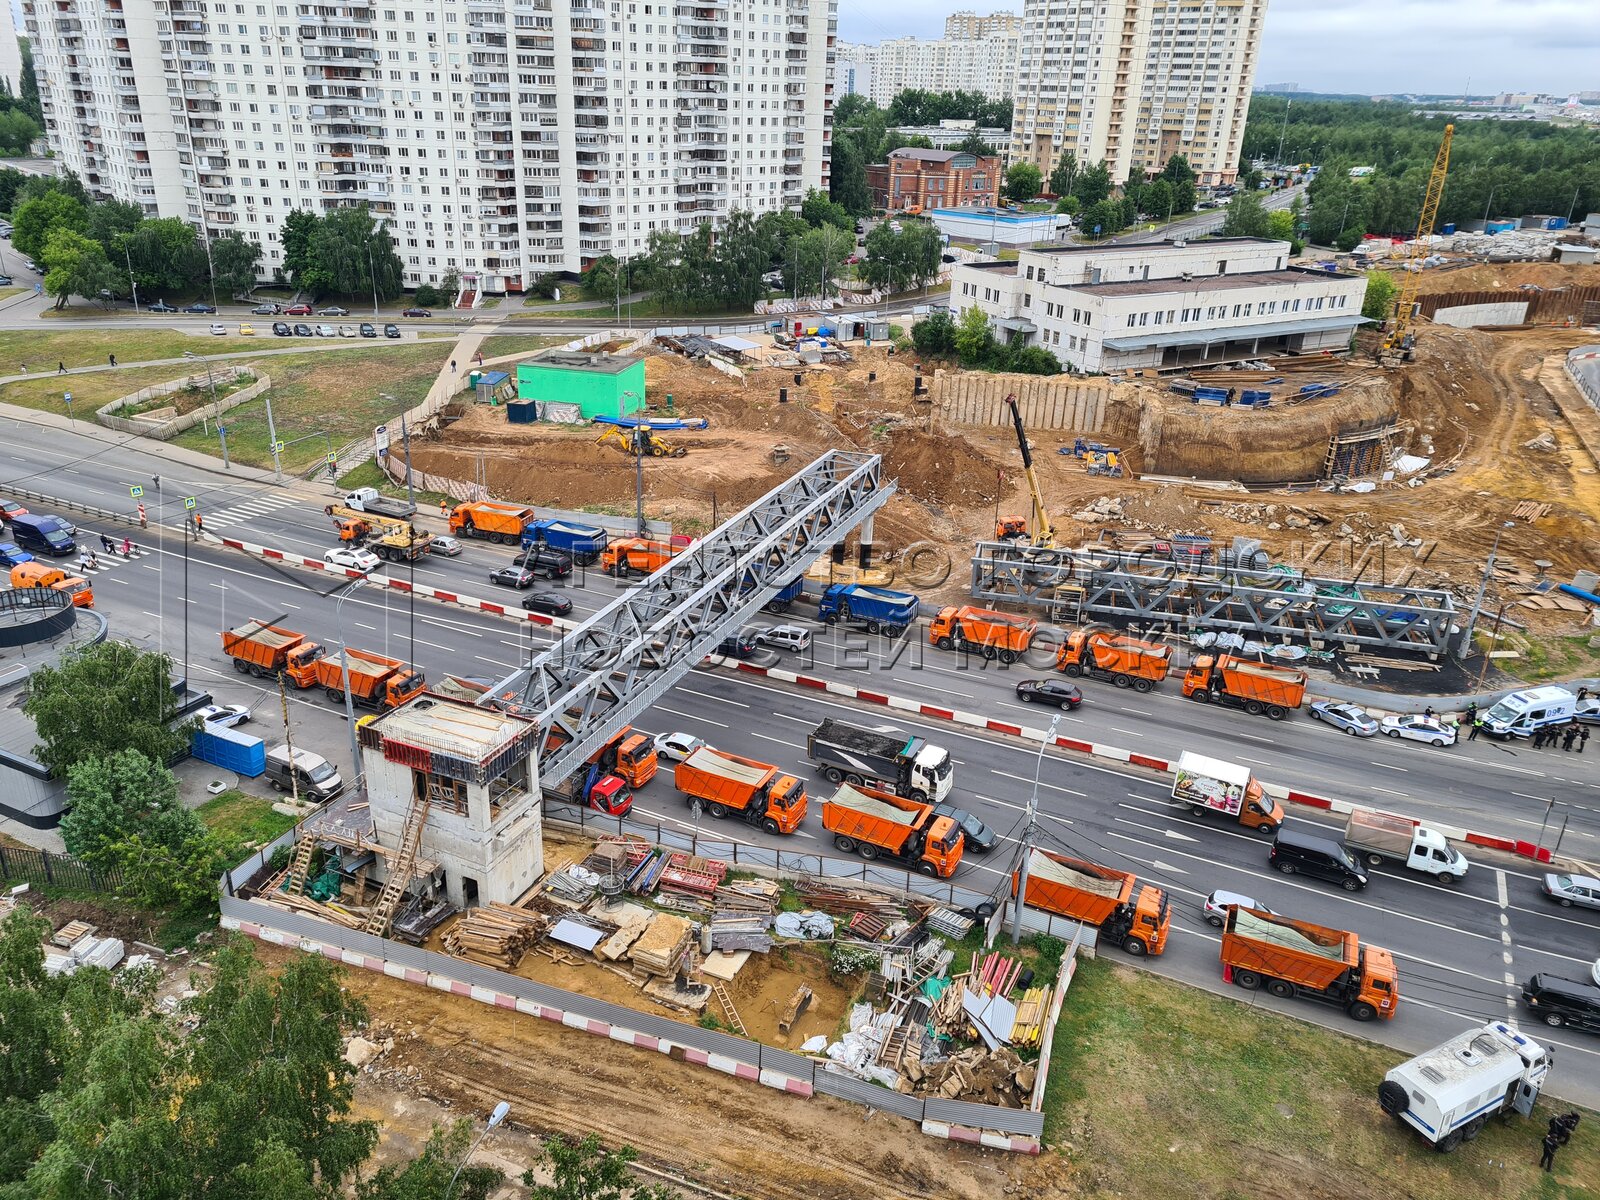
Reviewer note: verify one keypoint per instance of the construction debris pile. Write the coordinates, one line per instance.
(76, 945)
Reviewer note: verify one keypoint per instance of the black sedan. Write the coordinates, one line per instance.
(416, 312)
(281, 329)
(979, 837)
(160, 306)
(548, 603)
(512, 577)
(391, 331)
(1049, 691)
(367, 330)
(199, 308)
(303, 330)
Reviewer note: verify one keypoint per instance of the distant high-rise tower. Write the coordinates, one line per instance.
(966, 26)
(1135, 82)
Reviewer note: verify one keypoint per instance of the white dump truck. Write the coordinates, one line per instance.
(1381, 837)
(1447, 1093)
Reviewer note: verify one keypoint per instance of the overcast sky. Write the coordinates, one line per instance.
(1365, 46)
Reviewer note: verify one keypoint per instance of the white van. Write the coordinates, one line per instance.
(1449, 1093)
(1522, 713)
(310, 774)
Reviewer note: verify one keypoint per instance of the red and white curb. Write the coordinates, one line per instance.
(1014, 1143)
(456, 987)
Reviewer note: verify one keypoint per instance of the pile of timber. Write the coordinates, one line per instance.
(842, 901)
(496, 935)
(983, 1076)
(749, 895)
(1030, 1015)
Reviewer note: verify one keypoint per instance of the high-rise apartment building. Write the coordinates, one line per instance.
(500, 139)
(10, 52)
(987, 65)
(970, 25)
(1134, 82)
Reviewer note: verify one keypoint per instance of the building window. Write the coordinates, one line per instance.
(441, 793)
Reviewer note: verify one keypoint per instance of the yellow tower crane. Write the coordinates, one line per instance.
(1401, 338)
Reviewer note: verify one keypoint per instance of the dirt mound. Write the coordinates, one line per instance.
(1488, 276)
(942, 469)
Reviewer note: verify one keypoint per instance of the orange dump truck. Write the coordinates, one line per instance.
(879, 824)
(982, 631)
(261, 650)
(41, 575)
(1130, 914)
(636, 556)
(1297, 958)
(1124, 661)
(1253, 686)
(729, 785)
(492, 521)
(375, 681)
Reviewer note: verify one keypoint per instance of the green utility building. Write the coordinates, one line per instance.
(600, 385)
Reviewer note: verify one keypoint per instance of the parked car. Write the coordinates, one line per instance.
(303, 330)
(351, 556)
(548, 603)
(33, 266)
(416, 312)
(1587, 711)
(738, 646)
(224, 716)
(391, 331)
(267, 310)
(677, 746)
(1569, 890)
(246, 329)
(333, 310)
(1417, 728)
(347, 331)
(1049, 691)
(1355, 721)
(218, 329)
(200, 308)
(160, 306)
(6, 281)
(978, 836)
(327, 331)
(281, 329)
(444, 544)
(298, 310)
(12, 555)
(1215, 906)
(794, 638)
(367, 330)
(512, 577)
(10, 510)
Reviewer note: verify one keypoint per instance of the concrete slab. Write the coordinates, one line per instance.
(724, 966)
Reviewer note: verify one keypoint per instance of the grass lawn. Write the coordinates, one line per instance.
(243, 817)
(1158, 1089)
(648, 307)
(368, 475)
(501, 344)
(332, 394)
(42, 349)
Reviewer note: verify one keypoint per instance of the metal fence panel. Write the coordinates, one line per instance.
(796, 1065)
(44, 868)
(985, 1116)
(848, 1087)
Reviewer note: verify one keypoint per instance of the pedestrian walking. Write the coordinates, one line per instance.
(1583, 736)
(1551, 1144)
(444, 511)
(1569, 735)
(113, 358)
(24, 368)
(199, 526)
(1538, 739)
(61, 368)
(94, 561)
(452, 366)
(127, 547)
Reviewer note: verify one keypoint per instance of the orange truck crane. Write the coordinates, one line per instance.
(1136, 916)
(375, 680)
(265, 650)
(1124, 661)
(879, 824)
(1297, 958)
(982, 631)
(729, 785)
(1258, 688)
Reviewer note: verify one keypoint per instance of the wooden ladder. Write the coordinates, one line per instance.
(300, 864)
(401, 868)
(721, 993)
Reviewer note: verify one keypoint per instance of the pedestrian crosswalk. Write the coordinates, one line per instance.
(99, 552)
(257, 506)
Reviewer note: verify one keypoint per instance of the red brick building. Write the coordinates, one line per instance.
(928, 179)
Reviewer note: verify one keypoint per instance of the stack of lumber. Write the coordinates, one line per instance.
(678, 877)
(749, 895)
(72, 933)
(997, 975)
(660, 947)
(337, 913)
(1030, 1015)
(841, 901)
(496, 935)
(947, 1016)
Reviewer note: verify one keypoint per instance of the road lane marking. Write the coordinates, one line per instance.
(1053, 787)
(779, 741)
(689, 716)
(1389, 767)
(709, 696)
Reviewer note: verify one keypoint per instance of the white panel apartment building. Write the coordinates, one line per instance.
(987, 65)
(1134, 82)
(1168, 304)
(502, 139)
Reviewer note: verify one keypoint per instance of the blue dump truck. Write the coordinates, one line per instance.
(883, 611)
(583, 543)
(779, 603)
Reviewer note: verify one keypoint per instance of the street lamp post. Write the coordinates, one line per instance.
(497, 1116)
(1030, 832)
(132, 282)
(344, 660)
(639, 445)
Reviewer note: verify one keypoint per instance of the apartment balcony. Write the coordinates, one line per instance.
(337, 35)
(591, 120)
(211, 179)
(593, 245)
(328, 56)
(703, 82)
(587, 8)
(587, 45)
(499, 229)
(588, 85)
(216, 216)
(703, 205)
(702, 34)
(792, 168)
(484, 122)
(706, 10)
(496, 192)
(708, 156)
(489, 212)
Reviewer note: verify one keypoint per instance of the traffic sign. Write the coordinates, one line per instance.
(189, 503)
(333, 460)
(136, 491)
(68, 396)
(380, 438)
(277, 447)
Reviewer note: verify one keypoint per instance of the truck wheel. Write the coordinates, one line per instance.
(920, 796)
(717, 810)
(1277, 712)
(840, 842)
(1197, 810)
(1471, 1130)
(1447, 879)
(1248, 980)
(1072, 670)
(831, 619)
(1122, 681)
(1135, 947)
(989, 653)
(1142, 685)
(1375, 860)
(854, 780)
(943, 643)
(258, 672)
(769, 825)
(1201, 695)
(833, 774)
(1266, 829)
(1282, 989)
(927, 868)
(241, 666)
(1008, 657)
(276, 786)
(1449, 1142)
(1362, 1011)
(873, 627)
(867, 850)
(336, 695)
(1253, 707)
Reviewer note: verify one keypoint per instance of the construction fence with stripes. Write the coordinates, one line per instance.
(1063, 403)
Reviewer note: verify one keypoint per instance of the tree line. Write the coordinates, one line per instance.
(863, 135)
(1497, 168)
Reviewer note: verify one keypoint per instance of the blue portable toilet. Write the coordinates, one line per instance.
(242, 753)
(1449, 228)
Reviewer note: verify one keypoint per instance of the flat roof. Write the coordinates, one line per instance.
(602, 364)
(1200, 283)
(998, 265)
(982, 212)
(923, 154)
(451, 727)
(1233, 333)
(1168, 244)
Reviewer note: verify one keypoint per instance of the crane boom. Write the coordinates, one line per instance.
(1039, 531)
(1411, 280)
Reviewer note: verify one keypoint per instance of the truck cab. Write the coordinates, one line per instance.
(300, 664)
(630, 755)
(611, 796)
(943, 846)
(403, 686)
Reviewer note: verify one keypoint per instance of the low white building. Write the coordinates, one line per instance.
(1003, 226)
(1165, 304)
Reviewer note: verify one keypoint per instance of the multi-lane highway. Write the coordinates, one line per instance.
(1462, 952)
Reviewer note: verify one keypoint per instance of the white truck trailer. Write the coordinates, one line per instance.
(1381, 837)
(1449, 1092)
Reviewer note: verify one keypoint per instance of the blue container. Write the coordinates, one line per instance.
(241, 753)
(1448, 229)
(522, 412)
(1499, 226)
(1556, 223)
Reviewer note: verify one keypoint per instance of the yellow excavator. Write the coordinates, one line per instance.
(1038, 532)
(391, 538)
(639, 441)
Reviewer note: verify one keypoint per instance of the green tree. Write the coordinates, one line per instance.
(1378, 303)
(847, 177)
(586, 1170)
(1023, 182)
(1028, 360)
(236, 261)
(973, 143)
(1247, 217)
(1281, 226)
(38, 217)
(1069, 205)
(1249, 178)
(29, 83)
(1093, 184)
(75, 266)
(973, 338)
(17, 132)
(428, 1176)
(166, 255)
(118, 795)
(602, 281)
(1157, 200)
(1101, 219)
(101, 699)
(1063, 174)
(351, 253)
(898, 261)
(812, 260)
(295, 233)
(112, 220)
(11, 181)
(817, 210)
(935, 334)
